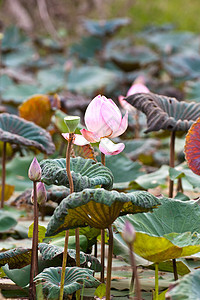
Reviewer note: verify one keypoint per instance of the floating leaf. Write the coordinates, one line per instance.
(16, 130)
(105, 27)
(171, 231)
(85, 173)
(6, 221)
(130, 170)
(192, 147)
(17, 93)
(13, 38)
(75, 279)
(51, 79)
(133, 58)
(186, 288)
(87, 47)
(9, 189)
(183, 66)
(151, 180)
(169, 41)
(37, 109)
(16, 258)
(164, 112)
(90, 79)
(97, 208)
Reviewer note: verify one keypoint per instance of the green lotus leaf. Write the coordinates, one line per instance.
(171, 231)
(187, 288)
(105, 27)
(97, 208)
(16, 258)
(85, 173)
(49, 252)
(183, 66)
(16, 130)
(75, 279)
(6, 221)
(164, 112)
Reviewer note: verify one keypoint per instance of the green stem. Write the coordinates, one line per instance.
(3, 175)
(71, 186)
(64, 262)
(34, 256)
(102, 278)
(156, 282)
(109, 266)
(171, 185)
(134, 276)
(171, 161)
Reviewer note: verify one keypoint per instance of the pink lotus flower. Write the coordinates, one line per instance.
(138, 86)
(103, 120)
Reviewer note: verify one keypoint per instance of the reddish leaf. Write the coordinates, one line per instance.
(192, 147)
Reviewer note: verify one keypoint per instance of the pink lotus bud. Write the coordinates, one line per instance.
(41, 194)
(128, 233)
(34, 172)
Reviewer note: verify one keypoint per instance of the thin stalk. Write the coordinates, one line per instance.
(102, 278)
(134, 275)
(34, 256)
(175, 269)
(171, 185)
(180, 186)
(64, 262)
(156, 282)
(137, 125)
(171, 161)
(3, 175)
(109, 266)
(71, 186)
(78, 293)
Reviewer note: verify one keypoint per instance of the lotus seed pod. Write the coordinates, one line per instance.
(72, 123)
(34, 172)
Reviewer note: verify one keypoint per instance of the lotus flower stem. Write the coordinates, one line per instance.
(175, 269)
(156, 282)
(134, 275)
(71, 186)
(34, 256)
(109, 266)
(171, 161)
(69, 175)
(3, 176)
(64, 262)
(102, 279)
(171, 184)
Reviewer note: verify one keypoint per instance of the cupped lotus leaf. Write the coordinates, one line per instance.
(85, 173)
(97, 208)
(165, 112)
(192, 147)
(16, 258)
(35, 108)
(49, 252)
(16, 130)
(187, 288)
(171, 231)
(105, 27)
(75, 279)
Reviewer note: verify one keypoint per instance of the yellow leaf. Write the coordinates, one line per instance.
(37, 109)
(9, 189)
